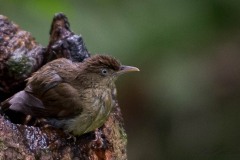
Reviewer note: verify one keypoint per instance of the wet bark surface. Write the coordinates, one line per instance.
(20, 56)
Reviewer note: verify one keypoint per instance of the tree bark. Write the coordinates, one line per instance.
(20, 56)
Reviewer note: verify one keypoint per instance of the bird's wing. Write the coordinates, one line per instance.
(43, 80)
(46, 95)
(59, 101)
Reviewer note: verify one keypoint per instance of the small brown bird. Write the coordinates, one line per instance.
(76, 97)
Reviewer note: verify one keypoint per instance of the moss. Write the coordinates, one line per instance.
(123, 134)
(19, 64)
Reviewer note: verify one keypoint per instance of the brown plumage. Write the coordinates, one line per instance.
(77, 97)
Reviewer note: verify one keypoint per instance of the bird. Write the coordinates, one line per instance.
(74, 96)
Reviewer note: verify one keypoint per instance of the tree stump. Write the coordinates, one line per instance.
(20, 56)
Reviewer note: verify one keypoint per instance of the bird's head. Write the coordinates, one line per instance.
(105, 68)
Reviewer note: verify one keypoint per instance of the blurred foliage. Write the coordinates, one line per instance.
(185, 102)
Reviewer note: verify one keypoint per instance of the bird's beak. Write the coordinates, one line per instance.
(126, 69)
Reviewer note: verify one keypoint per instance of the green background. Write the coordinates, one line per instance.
(185, 102)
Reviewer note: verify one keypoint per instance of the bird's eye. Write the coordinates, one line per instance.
(104, 71)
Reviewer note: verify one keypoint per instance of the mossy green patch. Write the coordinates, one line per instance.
(19, 65)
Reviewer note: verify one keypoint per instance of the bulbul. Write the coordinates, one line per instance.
(77, 97)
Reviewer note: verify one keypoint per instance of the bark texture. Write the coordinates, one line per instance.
(20, 56)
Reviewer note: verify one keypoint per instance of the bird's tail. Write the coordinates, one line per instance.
(16, 102)
(17, 107)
